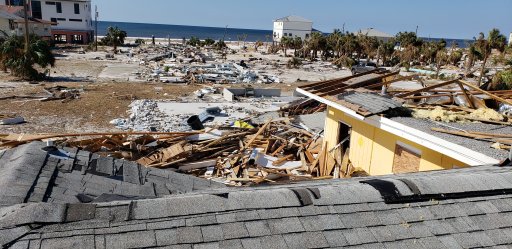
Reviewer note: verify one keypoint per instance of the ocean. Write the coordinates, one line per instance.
(216, 33)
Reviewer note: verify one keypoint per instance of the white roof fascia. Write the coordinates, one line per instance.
(337, 106)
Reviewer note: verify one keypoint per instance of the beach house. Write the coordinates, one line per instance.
(292, 26)
(12, 22)
(371, 32)
(379, 140)
(72, 19)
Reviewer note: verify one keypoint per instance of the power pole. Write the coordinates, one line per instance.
(25, 10)
(96, 28)
(225, 33)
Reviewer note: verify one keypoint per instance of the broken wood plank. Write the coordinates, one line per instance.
(282, 160)
(466, 96)
(260, 131)
(502, 100)
(198, 165)
(402, 95)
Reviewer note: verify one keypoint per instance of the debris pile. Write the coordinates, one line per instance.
(146, 116)
(239, 154)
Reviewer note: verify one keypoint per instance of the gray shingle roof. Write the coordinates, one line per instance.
(31, 174)
(483, 147)
(293, 19)
(462, 208)
(371, 102)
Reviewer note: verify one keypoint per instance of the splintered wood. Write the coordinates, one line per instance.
(275, 152)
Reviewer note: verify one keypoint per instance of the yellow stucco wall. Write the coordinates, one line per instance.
(373, 149)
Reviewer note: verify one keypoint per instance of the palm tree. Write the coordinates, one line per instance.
(495, 40)
(441, 60)
(114, 37)
(14, 57)
(350, 44)
(334, 41)
(286, 43)
(473, 54)
(317, 43)
(386, 50)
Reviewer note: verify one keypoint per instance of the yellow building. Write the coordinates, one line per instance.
(377, 144)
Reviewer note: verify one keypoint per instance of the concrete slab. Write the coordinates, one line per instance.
(119, 71)
(234, 111)
(407, 85)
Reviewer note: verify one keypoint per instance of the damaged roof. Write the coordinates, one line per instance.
(355, 92)
(369, 102)
(463, 208)
(35, 173)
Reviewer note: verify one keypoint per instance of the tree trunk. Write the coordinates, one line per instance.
(482, 71)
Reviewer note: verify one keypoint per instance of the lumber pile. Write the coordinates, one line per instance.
(276, 151)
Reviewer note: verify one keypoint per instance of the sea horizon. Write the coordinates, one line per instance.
(175, 31)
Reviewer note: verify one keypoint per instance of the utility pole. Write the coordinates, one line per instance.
(225, 33)
(25, 10)
(416, 30)
(96, 24)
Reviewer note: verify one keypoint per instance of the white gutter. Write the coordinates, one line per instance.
(455, 151)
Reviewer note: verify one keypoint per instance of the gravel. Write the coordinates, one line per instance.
(473, 144)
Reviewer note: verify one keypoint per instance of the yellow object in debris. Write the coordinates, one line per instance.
(243, 125)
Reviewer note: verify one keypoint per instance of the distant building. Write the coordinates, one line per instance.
(292, 26)
(371, 32)
(72, 19)
(12, 22)
(510, 39)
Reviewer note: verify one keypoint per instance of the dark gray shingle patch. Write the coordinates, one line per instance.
(278, 213)
(322, 222)
(201, 221)
(234, 230)
(231, 244)
(131, 172)
(363, 219)
(34, 213)
(131, 240)
(166, 237)
(188, 235)
(78, 212)
(12, 234)
(257, 228)
(335, 238)
(168, 224)
(212, 233)
(359, 236)
(285, 225)
(105, 165)
(70, 242)
(251, 243)
(371, 102)
(274, 241)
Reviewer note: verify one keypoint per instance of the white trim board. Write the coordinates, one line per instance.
(455, 151)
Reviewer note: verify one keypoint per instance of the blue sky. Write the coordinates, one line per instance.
(435, 18)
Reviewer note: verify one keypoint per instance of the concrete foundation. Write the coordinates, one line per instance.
(230, 93)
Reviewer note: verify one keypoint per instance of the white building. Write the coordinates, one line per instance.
(12, 22)
(292, 26)
(72, 18)
(510, 39)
